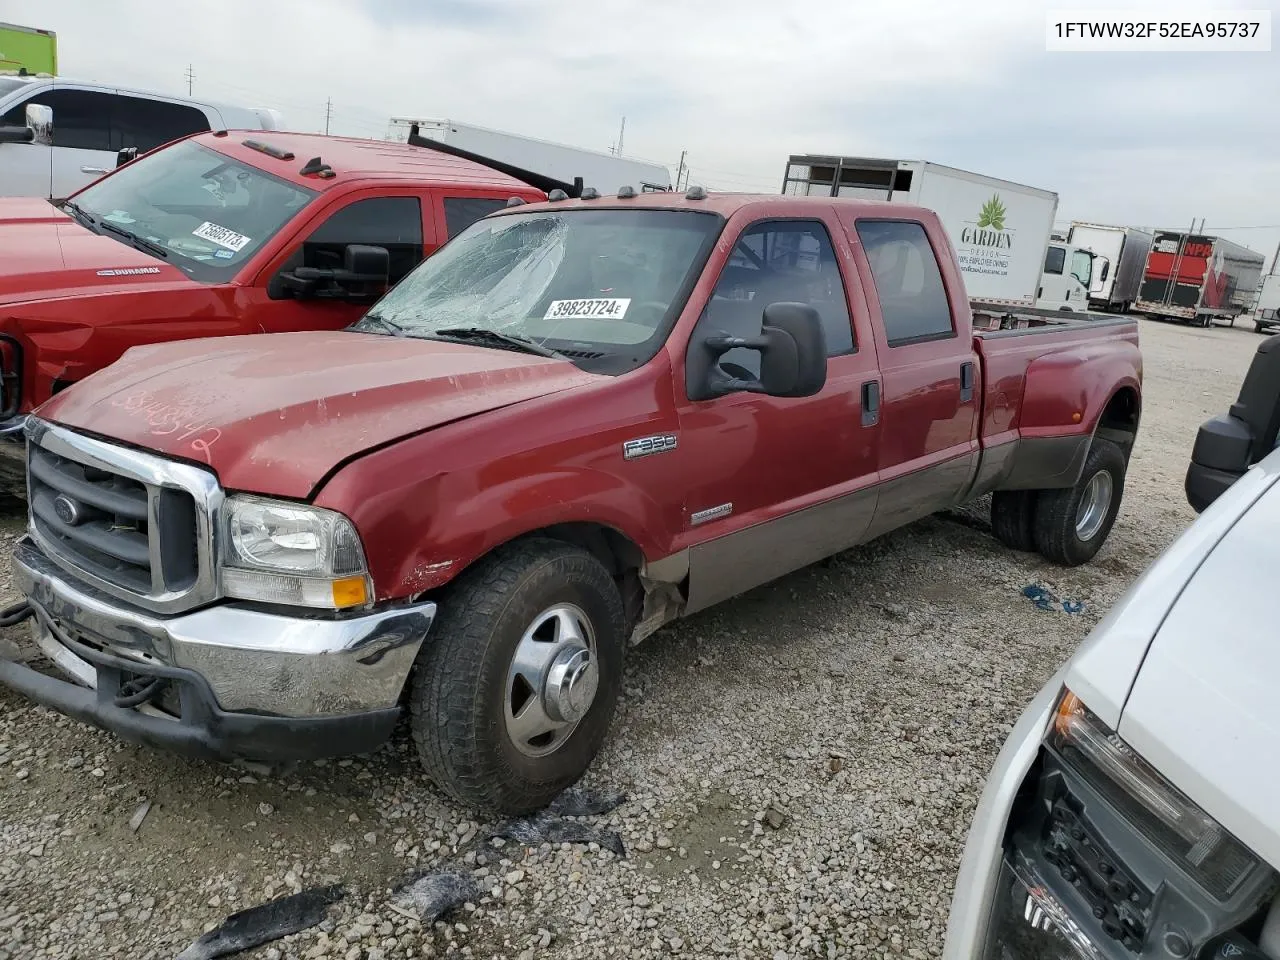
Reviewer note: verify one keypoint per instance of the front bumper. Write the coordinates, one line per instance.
(225, 682)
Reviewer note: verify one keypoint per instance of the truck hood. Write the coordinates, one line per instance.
(45, 253)
(1203, 708)
(275, 414)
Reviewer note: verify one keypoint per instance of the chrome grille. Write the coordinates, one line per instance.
(135, 525)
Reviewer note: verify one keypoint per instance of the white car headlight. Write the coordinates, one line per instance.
(291, 553)
(1167, 817)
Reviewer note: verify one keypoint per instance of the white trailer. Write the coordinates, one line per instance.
(1121, 254)
(603, 171)
(1000, 230)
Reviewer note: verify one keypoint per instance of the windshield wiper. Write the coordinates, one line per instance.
(498, 339)
(395, 328)
(84, 218)
(137, 241)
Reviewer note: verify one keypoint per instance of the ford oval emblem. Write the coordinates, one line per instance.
(67, 510)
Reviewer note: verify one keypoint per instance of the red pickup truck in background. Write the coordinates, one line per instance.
(219, 234)
(575, 423)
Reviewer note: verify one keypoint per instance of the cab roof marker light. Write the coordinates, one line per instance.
(516, 202)
(590, 193)
(696, 193)
(556, 195)
(626, 192)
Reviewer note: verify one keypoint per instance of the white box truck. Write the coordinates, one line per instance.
(1121, 256)
(603, 171)
(1000, 230)
(1266, 315)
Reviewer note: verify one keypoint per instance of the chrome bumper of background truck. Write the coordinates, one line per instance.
(278, 687)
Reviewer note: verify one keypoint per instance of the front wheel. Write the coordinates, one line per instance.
(516, 686)
(1071, 525)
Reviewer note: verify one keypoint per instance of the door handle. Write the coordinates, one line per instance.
(966, 382)
(93, 169)
(871, 403)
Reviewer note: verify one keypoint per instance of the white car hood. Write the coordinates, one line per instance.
(1204, 707)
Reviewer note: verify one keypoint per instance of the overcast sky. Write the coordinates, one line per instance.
(1143, 139)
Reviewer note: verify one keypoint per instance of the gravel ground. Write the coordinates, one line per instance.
(800, 765)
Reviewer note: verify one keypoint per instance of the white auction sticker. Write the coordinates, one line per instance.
(221, 236)
(603, 308)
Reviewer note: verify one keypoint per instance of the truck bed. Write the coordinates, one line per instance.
(994, 320)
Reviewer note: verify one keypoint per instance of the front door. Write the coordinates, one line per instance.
(775, 484)
(392, 221)
(81, 151)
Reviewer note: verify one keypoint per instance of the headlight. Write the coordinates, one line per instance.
(281, 552)
(1168, 818)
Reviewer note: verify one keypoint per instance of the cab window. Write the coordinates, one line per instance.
(773, 262)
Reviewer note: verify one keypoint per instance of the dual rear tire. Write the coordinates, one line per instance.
(1067, 526)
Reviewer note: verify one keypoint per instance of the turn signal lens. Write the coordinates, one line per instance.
(350, 592)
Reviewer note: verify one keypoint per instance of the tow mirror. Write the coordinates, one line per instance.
(40, 122)
(364, 275)
(38, 128)
(1228, 445)
(793, 357)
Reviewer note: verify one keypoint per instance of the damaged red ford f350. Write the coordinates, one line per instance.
(577, 421)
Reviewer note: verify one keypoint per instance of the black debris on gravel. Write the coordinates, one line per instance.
(264, 923)
(585, 802)
(432, 895)
(547, 827)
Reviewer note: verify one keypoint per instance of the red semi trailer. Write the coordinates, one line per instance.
(1198, 278)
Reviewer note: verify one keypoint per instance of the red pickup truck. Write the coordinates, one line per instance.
(574, 423)
(219, 234)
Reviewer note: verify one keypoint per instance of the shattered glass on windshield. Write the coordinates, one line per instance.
(587, 281)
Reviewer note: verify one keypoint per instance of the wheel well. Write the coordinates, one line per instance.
(616, 551)
(1119, 420)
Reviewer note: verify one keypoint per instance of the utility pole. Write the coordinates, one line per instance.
(680, 169)
(328, 112)
(191, 75)
(617, 147)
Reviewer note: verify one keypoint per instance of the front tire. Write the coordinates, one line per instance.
(1071, 525)
(516, 686)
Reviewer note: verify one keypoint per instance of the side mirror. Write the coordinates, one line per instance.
(126, 155)
(1227, 446)
(40, 122)
(793, 357)
(364, 275)
(38, 129)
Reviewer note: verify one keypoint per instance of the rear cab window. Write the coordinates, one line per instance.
(908, 281)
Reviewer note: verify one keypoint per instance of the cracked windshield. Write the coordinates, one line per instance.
(584, 280)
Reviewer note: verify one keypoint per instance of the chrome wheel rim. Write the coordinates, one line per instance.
(552, 680)
(1095, 504)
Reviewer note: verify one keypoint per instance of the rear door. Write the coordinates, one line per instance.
(928, 446)
(458, 208)
(145, 123)
(775, 484)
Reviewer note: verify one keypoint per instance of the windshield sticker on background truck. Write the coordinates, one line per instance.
(602, 308)
(221, 236)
